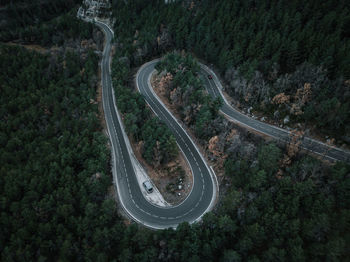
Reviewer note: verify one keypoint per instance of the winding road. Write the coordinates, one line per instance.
(204, 190)
(214, 88)
(202, 197)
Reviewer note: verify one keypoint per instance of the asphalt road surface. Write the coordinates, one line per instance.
(203, 193)
(214, 88)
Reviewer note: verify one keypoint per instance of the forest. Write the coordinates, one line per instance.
(54, 160)
(273, 209)
(50, 32)
(26, 19)
(273, 197)
(196, 107)
(55, 181)
(261, 49)
(159, 144)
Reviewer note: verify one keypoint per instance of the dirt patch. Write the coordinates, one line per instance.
(173, 180)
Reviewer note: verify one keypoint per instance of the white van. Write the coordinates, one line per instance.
(148, 186)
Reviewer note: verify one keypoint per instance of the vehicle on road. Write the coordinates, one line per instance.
(210, 76)
(148, 186)
(140, 209)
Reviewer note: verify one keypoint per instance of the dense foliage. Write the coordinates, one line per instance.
(159, 145)
(52, 32)
(300, 216)
(270, 212)
(196, 107)
(262, 49)
(25, 19)
(54, 162)
(297, 217)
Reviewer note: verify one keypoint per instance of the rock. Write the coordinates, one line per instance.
(286, 120)
(276, 114)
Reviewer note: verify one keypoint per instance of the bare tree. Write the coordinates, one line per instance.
(293, 146)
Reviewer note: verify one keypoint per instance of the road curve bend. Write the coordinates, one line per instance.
(204, 190)
(214, 88)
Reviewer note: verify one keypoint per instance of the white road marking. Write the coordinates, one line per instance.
(113, 137)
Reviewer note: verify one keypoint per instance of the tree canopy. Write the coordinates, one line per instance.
(54, 162)
(261, 49)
